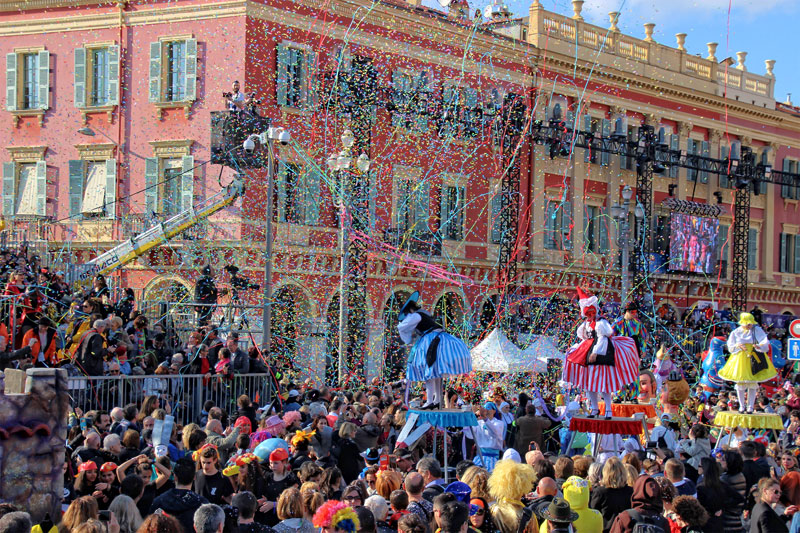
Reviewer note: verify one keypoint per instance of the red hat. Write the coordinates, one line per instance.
(279, 454)
(244, 424)
(88, 465)
(586, 301)
(108, 467)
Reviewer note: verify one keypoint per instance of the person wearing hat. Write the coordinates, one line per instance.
(41, 341)
(629, 325)
(277, 480)
(663, 436)
(435, 354)
(600, 363)
(750, 362)
(205, 296)
(559, 517)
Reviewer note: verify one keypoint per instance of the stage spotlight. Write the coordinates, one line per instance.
(658, 168)
(742, 182)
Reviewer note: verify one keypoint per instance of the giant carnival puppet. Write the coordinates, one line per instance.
(629, 325)
(600, 363)
(750, 362)
(435, 354)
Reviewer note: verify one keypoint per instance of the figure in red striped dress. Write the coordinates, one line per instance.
(600, 363)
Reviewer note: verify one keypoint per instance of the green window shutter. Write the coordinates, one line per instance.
(797, 254)
(444, 212)
(151, 185)
(674, 144)
(422, 194)
(550, 214)
(111, 188)
(75, 188)
(44, 80)
(280, 187)
(724, 181)
(283, 76)
(566, 224)
(113, 75)
(187, 182)
(80, 77)
(398, 84)
(11, 81)
(704, 147)
(589, 241)
(470, 103)
(41, 188)
(752, 249)
(783, 265)
(310, 80)
(460, 208)
(9, 180)
(155, 72)
(422, 85)
(587, 128)
(786, 189)
(605, 157)
(496, 223)
(602, 231)
(190, 70)
(312, 199)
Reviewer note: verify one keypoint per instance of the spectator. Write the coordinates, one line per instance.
(697, 445)
(209, 518)
(431, 473)
(421, 507)
(674, 471)
(614, 495)
(128, 516)
(576, 492)
(646, 508)
(763, 518)
(453, 517)
(691, 517)
(751, 468)
(160, 523)
(350, 461)
(546, 491)
(180, 502)
(15, 522)
(559, 516)
(529, 430)
(291, 513)
(225, 444)
(246, 503)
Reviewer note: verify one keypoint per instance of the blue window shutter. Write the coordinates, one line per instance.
(704, 152)
(187, 182)
(566, 223)
(113, 75)
(398, 116)
(190, 70)
(587, 128)
(461, 207)
(44, 79)
(470, 103)
(151, 186)
(570, 123)
(155, 72)
(111, 188)
(605, 157)
(674, 144)
(786, 189)
(550, 214)
(310, 80)
(9, 181)
(445, 220)
(41, 188)
(497, 224)
(783, 265)
(422, 86)
(312, 200)
(752, 249)
(80, 77)
(797, 254)
(422, 194)
(11, 81)
(280, 187)
(283, 76)
(75, 188)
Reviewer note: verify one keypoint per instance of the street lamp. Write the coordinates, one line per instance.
(267, 139)
(621, 215)
(340, 162)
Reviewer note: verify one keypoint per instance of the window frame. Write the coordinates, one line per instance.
(308, 93)
(15, 89)
(161, 82)
(459, 183)
(24, 155)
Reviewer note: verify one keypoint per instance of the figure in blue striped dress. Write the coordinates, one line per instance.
(435, 354)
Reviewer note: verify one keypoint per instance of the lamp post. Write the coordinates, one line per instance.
(339, 163)
(267, 139)
(621, 214)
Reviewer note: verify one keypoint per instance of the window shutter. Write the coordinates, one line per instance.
(550, 226)
(674, 145)
(111, 188)
(566, 224)
(41, 188)
(44, 79)
(151, 185)
(704, 152)
(9, 180)
(786, 189)
(422, 85)
(11, 82)
(589, 229)
(602, 232)
(470, 103)
(422, 194)
(444, 212)
(461, 207)
(282, 79)
(570, 123)
(587, 128)
(190, 70)
(797, 254)
(752, 249)
(80, 77)
(722, 245)
(312, 199)
(187, 182)
(310, 79)
(155, 72)
(605, 157)
(373, 207)
(783, 266)
(497, 224)
(75, 187)
(398, 117)
(113, 75)
(280, 187)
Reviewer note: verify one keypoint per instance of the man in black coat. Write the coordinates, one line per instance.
(181, 502)
(93, 350)
(752, 470)
(205, 294)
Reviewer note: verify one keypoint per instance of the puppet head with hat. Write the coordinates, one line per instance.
(676, 391)
(588, 304)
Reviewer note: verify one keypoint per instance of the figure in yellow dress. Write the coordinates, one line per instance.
(750, 362)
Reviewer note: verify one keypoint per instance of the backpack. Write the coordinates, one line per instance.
(646, 523)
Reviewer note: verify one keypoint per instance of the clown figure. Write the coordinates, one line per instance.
(750, 362)
(600, 363)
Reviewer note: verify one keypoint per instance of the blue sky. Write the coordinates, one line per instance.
(765, 29)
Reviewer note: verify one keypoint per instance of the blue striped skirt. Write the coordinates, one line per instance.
(452, 358)
(489, 459)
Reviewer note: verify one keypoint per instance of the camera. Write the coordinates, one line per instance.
(249, 146)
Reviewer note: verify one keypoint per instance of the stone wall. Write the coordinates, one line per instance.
(34, 406)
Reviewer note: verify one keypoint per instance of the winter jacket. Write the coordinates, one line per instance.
(611, 502)
(181, 504)
(294, 525)
(646, 500)
(696, 449)
(576, 492)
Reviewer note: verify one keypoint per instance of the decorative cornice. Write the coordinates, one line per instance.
(96, 151)
(172, 148)
(26, 154)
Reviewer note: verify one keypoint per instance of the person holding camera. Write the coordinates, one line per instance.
(234, 100)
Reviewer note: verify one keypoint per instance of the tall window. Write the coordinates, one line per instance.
(173, 70)
(595, 230)
(752, 249)
(171, 186)
(295, 87)
(413, 202)
(790, 191)
(25, 188)
(30, 81)
(176, 71)
(92, 188)
(96, 81)
(790, 253)
(99, 90)
(298, 194)
(452, 212)
(558, 225)
(692, 148)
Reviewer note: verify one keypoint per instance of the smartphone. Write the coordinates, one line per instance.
(84, 424)
(104, 516)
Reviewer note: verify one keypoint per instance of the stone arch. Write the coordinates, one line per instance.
(394, 351)
(485, 311)
(165, 287)
(291, 315)
(450, 309)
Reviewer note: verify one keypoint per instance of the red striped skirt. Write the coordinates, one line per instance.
(604, 378)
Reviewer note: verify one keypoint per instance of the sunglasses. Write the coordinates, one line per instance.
(480, 512)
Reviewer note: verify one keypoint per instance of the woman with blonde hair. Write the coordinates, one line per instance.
(292, 513)
(631, 473)
(350, 461)
(614, 494)
(509, 482)
(478, 480)
(387, 481)
(186, 432)
(312, 500)
(78, 512)
(128, 516)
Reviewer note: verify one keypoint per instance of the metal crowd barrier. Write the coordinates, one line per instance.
(185, 394)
